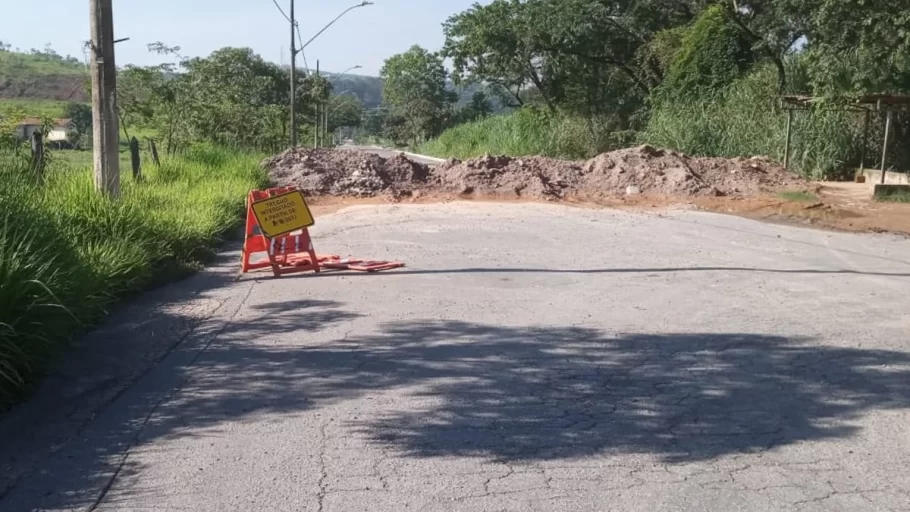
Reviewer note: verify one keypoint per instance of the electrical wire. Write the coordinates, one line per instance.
(302, 53)
(281, 10)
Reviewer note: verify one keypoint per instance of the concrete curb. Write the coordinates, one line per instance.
(424, 157)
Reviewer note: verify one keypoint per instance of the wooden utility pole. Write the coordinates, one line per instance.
(293, 79)
(105, 124)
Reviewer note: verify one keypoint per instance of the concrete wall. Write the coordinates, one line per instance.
(891, 178)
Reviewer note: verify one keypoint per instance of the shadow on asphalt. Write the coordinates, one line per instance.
(513, 394)
(546, 393)
(481, 270)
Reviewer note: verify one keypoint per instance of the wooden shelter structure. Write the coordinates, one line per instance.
(887, 103)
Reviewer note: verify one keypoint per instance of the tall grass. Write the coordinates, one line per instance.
(743, 120)
(740, 120)
(67, 253)
(526, 132)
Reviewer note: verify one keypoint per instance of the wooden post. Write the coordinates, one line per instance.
(134, 159)
(789, 138)
(325, 123)
(38, 153)
(105, 124)
(862, 153)
(888, 120)
(153, 149)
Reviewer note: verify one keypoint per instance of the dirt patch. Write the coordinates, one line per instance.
(635, 178)
(652, 171)
(493, 176)
(636, 171)
(346, 173)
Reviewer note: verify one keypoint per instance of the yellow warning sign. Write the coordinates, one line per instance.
(282, 214)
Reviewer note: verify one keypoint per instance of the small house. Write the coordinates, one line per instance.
(28, 126)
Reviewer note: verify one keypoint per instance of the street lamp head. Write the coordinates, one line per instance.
(366, 3)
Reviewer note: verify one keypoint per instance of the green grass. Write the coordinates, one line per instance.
(67, 253)
(798, 196)
(898, 196)
(742, 120)
(12, 63)
(526, 132)
(33, 107)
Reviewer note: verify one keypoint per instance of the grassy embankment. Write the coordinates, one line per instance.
(67, 253)
(743, 120)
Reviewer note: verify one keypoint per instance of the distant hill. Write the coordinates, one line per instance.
(42, 75)
(45, 75)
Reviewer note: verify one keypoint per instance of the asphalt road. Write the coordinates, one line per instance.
(531, 357)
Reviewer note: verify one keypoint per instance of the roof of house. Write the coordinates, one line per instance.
(34, 121)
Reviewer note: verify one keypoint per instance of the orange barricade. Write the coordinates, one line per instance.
(293, 252)
(285, 254)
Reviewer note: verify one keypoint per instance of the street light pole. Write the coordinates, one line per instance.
(294, 52)
(349, 9)
(293, 80)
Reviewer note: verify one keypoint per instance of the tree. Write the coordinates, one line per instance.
(714, 53)
(487, 44)
(135, 95)
(234, 97)
(80, 116)
(860, 46)
(415, 86)
(344, 111)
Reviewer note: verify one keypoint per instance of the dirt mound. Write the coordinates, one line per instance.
(642, 170)
(345, 172)
(534, 177)
(647, 170)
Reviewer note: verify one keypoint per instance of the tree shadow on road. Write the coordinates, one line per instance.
(549, 393)
(457, 388)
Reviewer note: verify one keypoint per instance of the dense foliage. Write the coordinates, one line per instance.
(684, 73)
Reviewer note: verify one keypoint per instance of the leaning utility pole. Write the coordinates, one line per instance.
(293, 79)
(105, 123)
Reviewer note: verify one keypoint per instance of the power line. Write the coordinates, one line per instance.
(281, 10)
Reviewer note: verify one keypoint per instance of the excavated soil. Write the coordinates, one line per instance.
(346, 173)
(636, 178)
(629, 172)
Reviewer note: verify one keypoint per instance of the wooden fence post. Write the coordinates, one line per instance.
(135, 159)
(153, 149)
(38, 153)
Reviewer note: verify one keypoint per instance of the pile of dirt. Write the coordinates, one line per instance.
(642, 170)
(533, 177)
(651, 171)
(346, 173)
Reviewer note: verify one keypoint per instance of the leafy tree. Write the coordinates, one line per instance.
(234, 97)
(415, 86)
(488, 44)
(80, 116)
(344, 111)
(136, 96)
(714, 53)
(860, 46)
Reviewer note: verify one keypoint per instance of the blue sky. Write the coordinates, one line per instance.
(364, 36)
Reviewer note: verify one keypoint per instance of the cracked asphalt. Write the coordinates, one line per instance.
(530, 357)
